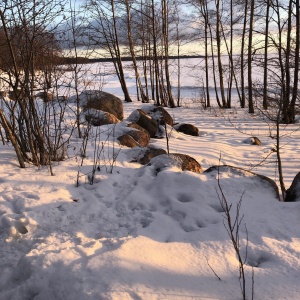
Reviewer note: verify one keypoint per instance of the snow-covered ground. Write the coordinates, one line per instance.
(136, 234)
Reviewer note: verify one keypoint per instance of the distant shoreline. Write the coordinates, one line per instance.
(83, 60)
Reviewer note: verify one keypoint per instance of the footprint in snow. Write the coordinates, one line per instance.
(258, 258)
(184, 198)
(21, 228)
(17, 209)
(12, 227)
(200, 224)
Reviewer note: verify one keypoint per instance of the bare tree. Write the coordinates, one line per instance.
(250, 44)
(132, 52)
(104, 33)
(28, 52)
(295, 93)
(218, 40)
(165, 37)
(242, 68)
(266, 45)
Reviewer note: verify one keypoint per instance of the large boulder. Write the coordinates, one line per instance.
(145, 156)
(239, 172)
(141, 137)
(188, 163)
(136, 126)
(293, 193)
(159, 114)
(99, 117)
(128, 141)
(144, 120)
(165, 117)
(102, 101)
(133, 131)
(188, 129)
(181, 161)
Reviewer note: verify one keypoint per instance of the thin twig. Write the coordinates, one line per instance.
(212, 269)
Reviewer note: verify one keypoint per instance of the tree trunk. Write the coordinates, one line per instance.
(132, 52)
(155, 56)
(286, 100)
(250, 94)
(296, 63)
(204, 11)
(118, 56)
(220, 66)
(214, 67)
(243, 94)
(265, 91)
(165, 34)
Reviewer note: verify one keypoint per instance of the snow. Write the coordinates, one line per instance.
(138, 234)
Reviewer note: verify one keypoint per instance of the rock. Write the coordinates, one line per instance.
(45, 96)
(181, 161)
(241, 172)
(102, 101)
(144, 120)
(160, 115)
(128, 141)
(143, 155)
(141, 137)
(136, 126)
(188, 163)
(252, 141)
(99, 117)
(147, 155)
(293, 193)
(165, 117)
(188, 129)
